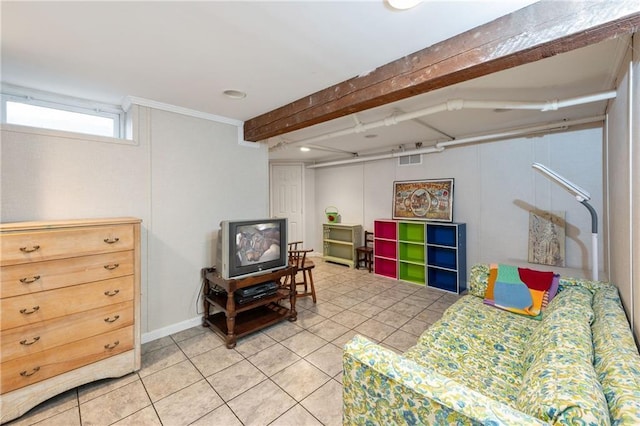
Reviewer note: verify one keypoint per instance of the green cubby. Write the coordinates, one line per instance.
(411, 231)
(412, 272)
(412, 252)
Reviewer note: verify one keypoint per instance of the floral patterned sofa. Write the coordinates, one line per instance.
(579, 365)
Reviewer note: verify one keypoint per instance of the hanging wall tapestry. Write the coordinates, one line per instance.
(547, 238)
(423, 200)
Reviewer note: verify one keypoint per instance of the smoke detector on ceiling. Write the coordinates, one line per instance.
(403, 4)
(235, 94)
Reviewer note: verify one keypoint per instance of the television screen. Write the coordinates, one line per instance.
(249, 247)
(258, 243)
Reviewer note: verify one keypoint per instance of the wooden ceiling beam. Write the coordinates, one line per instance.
(541, 30)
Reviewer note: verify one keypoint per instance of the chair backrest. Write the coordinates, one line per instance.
(298, 257)
(295, 245)
(368, 239)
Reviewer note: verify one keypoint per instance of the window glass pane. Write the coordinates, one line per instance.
(51, 118)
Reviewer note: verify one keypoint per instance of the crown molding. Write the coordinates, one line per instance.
(128, 101)
(134, 100)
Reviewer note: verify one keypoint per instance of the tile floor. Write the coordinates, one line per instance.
(287, 374)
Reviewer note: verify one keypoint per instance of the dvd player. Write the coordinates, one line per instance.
(255, 292)
(257, 289)
(242, 300)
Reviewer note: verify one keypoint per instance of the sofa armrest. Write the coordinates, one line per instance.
(382, 387)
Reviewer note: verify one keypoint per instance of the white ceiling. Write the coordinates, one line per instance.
(187, 53)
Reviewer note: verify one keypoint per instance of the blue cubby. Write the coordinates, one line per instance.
(442, 235)
(446, 256)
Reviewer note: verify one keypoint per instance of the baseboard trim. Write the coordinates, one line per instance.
(170, 329)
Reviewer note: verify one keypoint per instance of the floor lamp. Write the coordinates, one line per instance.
(582, 196)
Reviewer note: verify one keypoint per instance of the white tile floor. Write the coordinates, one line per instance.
(287, 374)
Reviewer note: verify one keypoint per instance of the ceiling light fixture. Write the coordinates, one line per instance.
(234, 94)
(305, 149)
(403, 4)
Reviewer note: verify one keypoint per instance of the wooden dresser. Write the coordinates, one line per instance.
(69, 307)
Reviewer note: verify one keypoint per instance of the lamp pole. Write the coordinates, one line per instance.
(594, 238)
(582, 196)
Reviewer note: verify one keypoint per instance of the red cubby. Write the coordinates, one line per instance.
(385, 248)
(386, 267)
(386, 229)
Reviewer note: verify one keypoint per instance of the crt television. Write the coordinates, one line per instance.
(251, 247)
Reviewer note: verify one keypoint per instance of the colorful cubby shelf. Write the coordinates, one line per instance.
(424, 253)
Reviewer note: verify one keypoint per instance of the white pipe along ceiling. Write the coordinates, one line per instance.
(456, 105)
(439, 147)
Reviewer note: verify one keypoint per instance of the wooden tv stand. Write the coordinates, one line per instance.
(237, 320)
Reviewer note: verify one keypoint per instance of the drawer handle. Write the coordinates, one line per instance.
(111, 267)
(111, 240)
(25, 342)
(29, 280)
(114, 319)
(29, 249)
(27, 312)
(25, 373)
(111, 293)
(112, 346)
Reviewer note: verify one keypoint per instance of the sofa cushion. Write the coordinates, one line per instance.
(560, 384)
(477, 345)
(561, 390)
(478, 279)
(617, 362)
(381, 387)
(566, 322)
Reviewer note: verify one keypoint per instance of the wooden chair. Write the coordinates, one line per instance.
(365, 252)
(298, 258)
(295, 245)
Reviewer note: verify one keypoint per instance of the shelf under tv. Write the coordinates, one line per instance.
(221, 301)
(236, 320)
(248, 321)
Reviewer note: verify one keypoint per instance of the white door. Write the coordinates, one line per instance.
(286, 197)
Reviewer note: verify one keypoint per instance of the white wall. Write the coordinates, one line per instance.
(199, 176)
(623, 163)
(182, 176)
(58, 176)
(495, 189)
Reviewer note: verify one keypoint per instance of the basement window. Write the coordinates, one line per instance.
(64, 114)
(410, 160)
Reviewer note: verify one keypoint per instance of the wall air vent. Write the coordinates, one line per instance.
(409, 160)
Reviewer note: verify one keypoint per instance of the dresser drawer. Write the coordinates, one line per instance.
(33, 368)
(36, 246)
(40, 276)
(31, 339)
(34, 308)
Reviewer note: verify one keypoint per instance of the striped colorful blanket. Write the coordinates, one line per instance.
(520, 290)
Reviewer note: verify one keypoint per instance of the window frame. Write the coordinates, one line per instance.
(61, 103)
